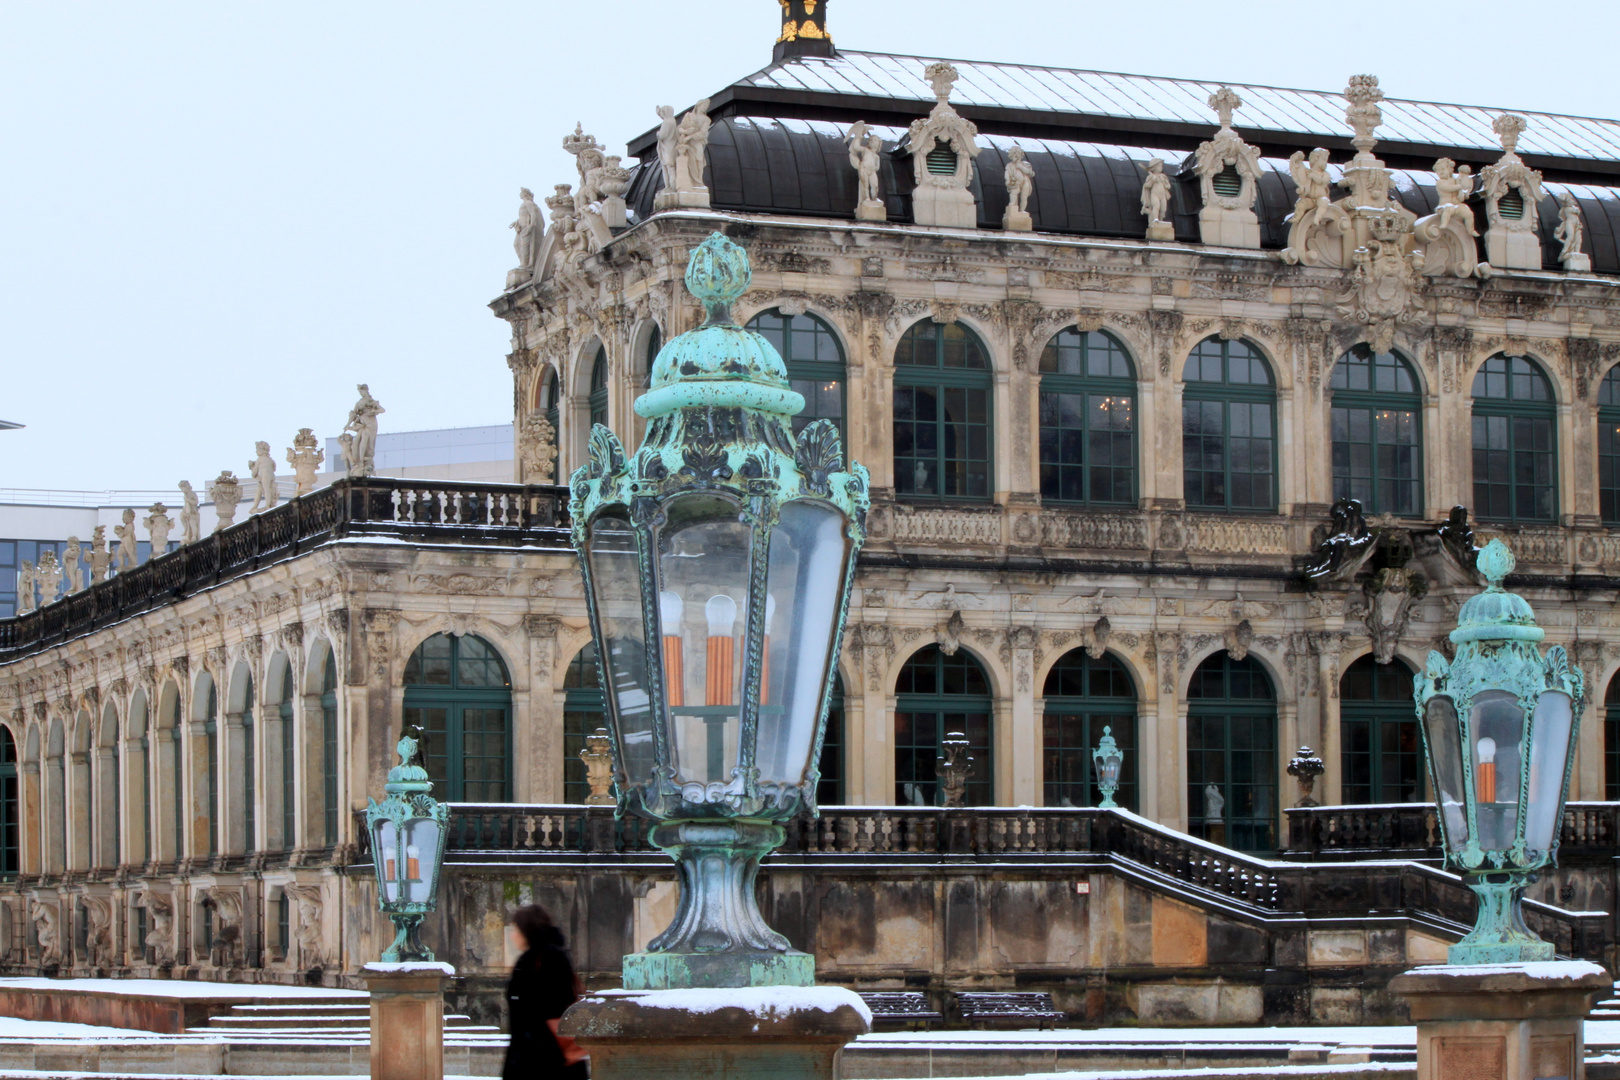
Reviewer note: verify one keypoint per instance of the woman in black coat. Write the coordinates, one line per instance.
(542, 987)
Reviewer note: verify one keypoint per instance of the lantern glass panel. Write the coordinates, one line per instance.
(616, 594)
(703, 570)
(1497, 733)
(385, 848)
(1108, 769)
(1549, 752)
(421, 856)
(808, 560)
(1445, 757)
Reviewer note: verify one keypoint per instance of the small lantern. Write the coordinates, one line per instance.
(407, 849)
(718, 561)
(1107, 759)
(1499, 726)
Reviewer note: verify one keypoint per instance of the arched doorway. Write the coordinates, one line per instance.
(1380, 750)
(10, 808)
(1611, 741)
(582, 714)
(937, 694)
(458, 694)
(1083, 695)
(1232, 754)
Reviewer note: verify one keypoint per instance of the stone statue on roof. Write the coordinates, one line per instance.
(1569, 234)
(1020, 180)
(1156, 202)
(866, 157)
(682, 144)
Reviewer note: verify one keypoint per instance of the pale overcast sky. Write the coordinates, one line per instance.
(216, 218)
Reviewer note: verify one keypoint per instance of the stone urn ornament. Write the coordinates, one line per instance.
(952, 767)
(1306, 767)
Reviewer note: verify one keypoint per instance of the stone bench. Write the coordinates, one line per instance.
(900, 1008)
(980, 1007)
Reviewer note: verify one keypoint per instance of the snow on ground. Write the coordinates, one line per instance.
(13, 1028)
(1368, 1036)
(1280, 1071)
(178, 988)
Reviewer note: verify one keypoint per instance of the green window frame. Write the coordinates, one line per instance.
(459, 696)
(283, 924)
(1232, 744)
(249, 794)
(1515, 434)
(1377, 415)
(1228, 429)
(1611, 741)
(1088, 439)
(943, 432)
(10, 808)
(289, 761)
(211, 734)
(655, 345)
(935, 695)
(329, 750)
(815, 362)
(1082, 696)
(830, 788)
(1608, 418)
(583, 713)
(1380, 749)
(598, 399)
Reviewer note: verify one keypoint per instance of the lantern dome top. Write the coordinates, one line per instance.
(720, 363)
(1496, 614)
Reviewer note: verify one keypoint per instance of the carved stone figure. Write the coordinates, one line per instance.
(98, 943)
(27, 587)
(598, 759)
(1214, 804)
(589, 160)
(1156, 202)
(305, 456)
(1348, 546)
(311, 899)
(1229, 177)
(866, 157)
(1385, 284)
(1569, 233)
(263, 470)
(942, 149)
(537, 449)
(72, 572)
(227, 906)
(99, 558)
(359, 438)
(681, 152)
(48, 574)
(1446, 237)
(226, 493)
(190, 514)
(1512, 193)
(125, 556)
(1020, 180)
(46, 933)
(160, 932)
(1389, 607)
(158, 526)
(952, 768)
(529, 227)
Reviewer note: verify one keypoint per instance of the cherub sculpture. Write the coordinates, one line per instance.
(263, 470)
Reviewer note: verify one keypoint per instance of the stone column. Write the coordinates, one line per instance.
(786, 1033)
(1502, 1021)
(407, 1019)
(1024, 769)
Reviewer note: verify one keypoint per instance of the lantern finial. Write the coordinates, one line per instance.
(1496, 614)
(718, 273)
(1495, 562)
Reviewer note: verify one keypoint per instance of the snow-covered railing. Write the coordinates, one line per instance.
(1409, 830)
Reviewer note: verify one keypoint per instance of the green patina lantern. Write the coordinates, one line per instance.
(1499, 727)
(407, 850)
(1107, 759)
(718, 561)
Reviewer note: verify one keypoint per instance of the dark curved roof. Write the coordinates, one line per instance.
(801, 167)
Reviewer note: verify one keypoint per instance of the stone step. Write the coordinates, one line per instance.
(294, 1022)
(358, 1007)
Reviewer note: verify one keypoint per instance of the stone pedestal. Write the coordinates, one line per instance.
(1161, 230)
(785, 1033)
(1017, 221)
(407, 1019)
(1228, 228)
(871, 210)
(1512, 249)
(1579, 262)
(953, 207)
(1502, 1021)
(681, 200)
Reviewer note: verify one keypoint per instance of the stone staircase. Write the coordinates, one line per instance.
(1607, 1009)
(342, 1017)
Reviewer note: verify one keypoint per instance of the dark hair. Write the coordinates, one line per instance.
(533, 922)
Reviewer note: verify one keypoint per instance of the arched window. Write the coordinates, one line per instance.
(599, 388)
(582, 715)
(289, 760)
(830, 789)
(1380, 751)
(457, 692)
(942, 386)
(1515, 442)
(1377, 448)
(938, 695)
(815, 362)
(547, 399)
(1609, 446)
(1082, 697)
(1228, 428)
(1611, 741)
(10, 808)
(329, 750)
(1088, 420)
(1232, 754)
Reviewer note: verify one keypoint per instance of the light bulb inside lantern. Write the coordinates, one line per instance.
(721, 611)
(413, 863)
(671, 610)
(1487, 770)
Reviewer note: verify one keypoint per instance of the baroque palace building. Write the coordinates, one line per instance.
(1117, 351)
